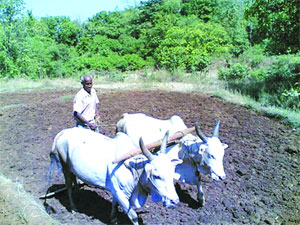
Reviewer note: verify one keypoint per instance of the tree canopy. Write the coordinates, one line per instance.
(169, 34)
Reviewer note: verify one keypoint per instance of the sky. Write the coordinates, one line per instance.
(79, 10)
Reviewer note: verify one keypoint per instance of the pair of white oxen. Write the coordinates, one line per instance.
(89, 156)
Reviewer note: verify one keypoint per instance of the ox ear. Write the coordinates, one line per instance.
(224, 145)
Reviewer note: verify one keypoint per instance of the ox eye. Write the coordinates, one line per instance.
(156, 177)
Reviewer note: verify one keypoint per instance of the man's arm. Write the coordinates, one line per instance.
(84, 121)
(97, 113)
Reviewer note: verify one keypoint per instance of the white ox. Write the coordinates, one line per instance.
(203, 155)
(89, 155)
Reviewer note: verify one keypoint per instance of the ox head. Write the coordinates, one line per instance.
(212, 151)
(159, 174)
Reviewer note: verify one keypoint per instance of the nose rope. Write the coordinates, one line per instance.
(189, 150)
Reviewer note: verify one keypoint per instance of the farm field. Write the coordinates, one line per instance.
(262, 162)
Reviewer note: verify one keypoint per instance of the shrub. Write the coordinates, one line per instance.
(282, 82)
(258, 74)
(291, 98)
(236, 72)
(283, 74)
(97, 62)
(253, 56)
(134, 62)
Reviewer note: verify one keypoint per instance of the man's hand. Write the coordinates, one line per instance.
(92, 126)
(97, 120)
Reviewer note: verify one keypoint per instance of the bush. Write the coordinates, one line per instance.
(7, 67)
(283, 74)
(258, 74)
(134, 62)
(291, 98)
(253, 56)
(282, 82)
(236, 72)
(97, 62)
(277, 84)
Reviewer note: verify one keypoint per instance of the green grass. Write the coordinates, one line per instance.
(286, 116)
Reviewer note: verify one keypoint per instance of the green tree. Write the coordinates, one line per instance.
(277, 23)
(203, 9)
(63, 30)
(190, 48)
(12, 36)
(10, 11)
(230, 14)
(111, 25)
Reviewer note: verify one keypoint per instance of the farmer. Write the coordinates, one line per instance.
(86, 105)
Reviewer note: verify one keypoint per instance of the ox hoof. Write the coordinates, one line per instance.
(74, 210)
(201, 202)
(114, 221)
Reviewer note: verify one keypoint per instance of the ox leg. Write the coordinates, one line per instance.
(114, 210)
(70, 178)
(200, 196)
(125, 205)
(133, 216)
(77, 183)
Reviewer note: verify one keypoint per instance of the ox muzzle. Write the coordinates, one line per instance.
(170, 203)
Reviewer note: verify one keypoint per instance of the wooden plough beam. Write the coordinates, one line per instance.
(153, 145)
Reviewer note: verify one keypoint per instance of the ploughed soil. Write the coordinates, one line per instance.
(262, 161)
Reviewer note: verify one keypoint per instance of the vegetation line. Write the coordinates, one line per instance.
(207, 85)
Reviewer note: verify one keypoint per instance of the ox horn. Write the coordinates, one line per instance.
(164, 142)
(145, 151)
(200, 134)
(216, 130)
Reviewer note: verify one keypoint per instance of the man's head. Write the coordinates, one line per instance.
(87, 82)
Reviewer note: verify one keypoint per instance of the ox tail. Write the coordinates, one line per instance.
(54, 160)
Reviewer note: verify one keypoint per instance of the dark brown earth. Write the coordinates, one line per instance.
(262, 162)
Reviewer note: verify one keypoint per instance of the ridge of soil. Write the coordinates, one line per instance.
(262, 162)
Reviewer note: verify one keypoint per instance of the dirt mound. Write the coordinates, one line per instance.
(261, 163)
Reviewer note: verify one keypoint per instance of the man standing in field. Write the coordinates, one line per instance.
(86, 105)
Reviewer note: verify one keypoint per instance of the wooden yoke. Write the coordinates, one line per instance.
(177, 135)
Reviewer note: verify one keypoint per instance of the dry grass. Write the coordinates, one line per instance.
(208, 84)
(18, 207)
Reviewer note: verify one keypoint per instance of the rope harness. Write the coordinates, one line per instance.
(136, 165)
(189, 148)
